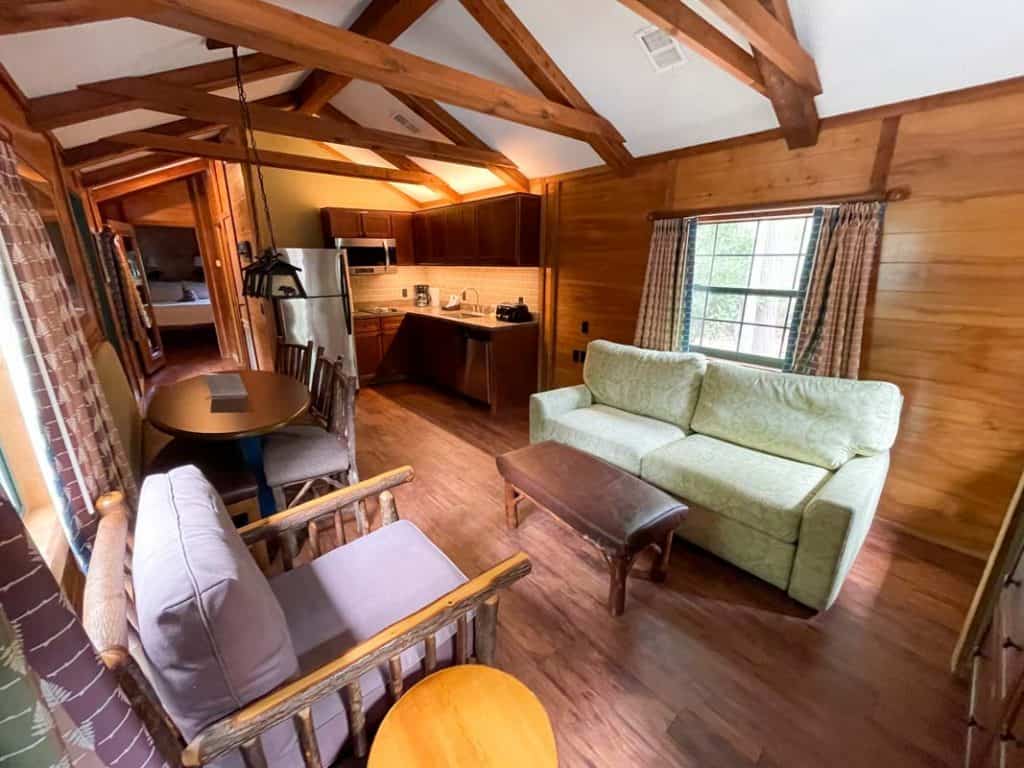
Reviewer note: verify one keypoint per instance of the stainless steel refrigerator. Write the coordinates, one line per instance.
(325, 315)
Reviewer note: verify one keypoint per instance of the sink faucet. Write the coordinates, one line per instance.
(474, 290)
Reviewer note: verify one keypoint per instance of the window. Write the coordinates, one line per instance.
(745, 286)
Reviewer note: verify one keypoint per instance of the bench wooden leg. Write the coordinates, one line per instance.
(619, 568)
(511, 506)
(659, 572)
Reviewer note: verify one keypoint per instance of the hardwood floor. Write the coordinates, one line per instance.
(713, 668)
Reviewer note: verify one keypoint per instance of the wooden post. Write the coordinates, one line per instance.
(619, 568)
(430, 654)
(362, 525)
(288, 552)
(353, 699)
(486, 630)
(339, 528)
(461, 640)
(660, 570)
(511, 506)
(303, 721)
(314, 539)
(395, 678)
(252, 754)
(388, 510)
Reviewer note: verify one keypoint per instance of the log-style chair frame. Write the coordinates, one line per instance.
(294, 360)
(109, 610)
(332, 406)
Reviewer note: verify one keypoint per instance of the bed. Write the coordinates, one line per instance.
(171, 312)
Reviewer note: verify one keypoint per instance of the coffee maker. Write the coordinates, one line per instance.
(422, 293)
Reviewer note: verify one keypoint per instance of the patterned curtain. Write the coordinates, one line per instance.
(659, 323)
(832, 327)
(60, 705)
(86, 452)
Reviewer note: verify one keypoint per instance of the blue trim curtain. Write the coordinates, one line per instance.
(660, 322)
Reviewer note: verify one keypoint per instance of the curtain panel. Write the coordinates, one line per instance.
(832, 327)
(60, 705)
(659, 324)
(86, 453)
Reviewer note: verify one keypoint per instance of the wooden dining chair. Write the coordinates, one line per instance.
(294, 360)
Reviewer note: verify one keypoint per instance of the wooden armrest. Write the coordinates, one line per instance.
(105, 603)
(285, 702)
(300, 515)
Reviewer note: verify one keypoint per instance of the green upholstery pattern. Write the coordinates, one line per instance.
(812, 419)
(545, 406)
(835, 524)
(619, 437)
(755, 552)
(660, 385)
(764, 492)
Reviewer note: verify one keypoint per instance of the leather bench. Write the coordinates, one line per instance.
(615, 511)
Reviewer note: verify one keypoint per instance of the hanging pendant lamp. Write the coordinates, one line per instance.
(269, 276)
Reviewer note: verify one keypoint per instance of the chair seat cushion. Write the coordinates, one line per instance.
(298, 453)
(349, 594)
(221, 463)
(765, 492)
(619, 437)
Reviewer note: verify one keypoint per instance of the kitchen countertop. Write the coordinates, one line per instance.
(488, 322)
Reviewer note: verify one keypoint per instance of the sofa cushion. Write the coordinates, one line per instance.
(617, 436)
(198, 595)
(349, 594)
(765, 492)
(661, 385)
(821, 421)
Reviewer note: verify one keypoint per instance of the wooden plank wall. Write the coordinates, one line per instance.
(947, 319)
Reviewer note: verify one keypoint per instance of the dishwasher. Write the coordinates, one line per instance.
(474, 376)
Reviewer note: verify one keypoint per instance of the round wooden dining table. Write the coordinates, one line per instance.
(185, 408)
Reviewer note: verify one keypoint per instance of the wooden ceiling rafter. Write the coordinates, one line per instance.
(34, 15)
(70, 107)
(234, 153)
(381, 20)
(137, 166)
(148, 178)
(442, 121)
(506, 29)
(417, 204)
(274, 30)
(200, 105)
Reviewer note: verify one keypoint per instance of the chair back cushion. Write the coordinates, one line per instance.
(211, 629)
(121, 401)
(816, 420)
(660, 385)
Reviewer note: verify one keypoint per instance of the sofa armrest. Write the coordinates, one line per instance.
(545, 406)
(835, 524)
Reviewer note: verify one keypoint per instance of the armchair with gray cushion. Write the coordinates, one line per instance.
(782, 473)
(230, 667)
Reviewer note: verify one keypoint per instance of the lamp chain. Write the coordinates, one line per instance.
(249, 142)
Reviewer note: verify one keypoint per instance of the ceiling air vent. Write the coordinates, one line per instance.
(405, 122)
(661, 48)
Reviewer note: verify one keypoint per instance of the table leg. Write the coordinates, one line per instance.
(511, 506)
(619, 568)
(252, 451)
(659, 572)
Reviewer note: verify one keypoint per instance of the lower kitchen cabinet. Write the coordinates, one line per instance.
(382, 348)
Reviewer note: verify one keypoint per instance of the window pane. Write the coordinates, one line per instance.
(705, 244)
(766, 310)
(699, 299)
(776, 236)
(720, 335)
(736, 238)
(702, 270)
(761, 341)
(731, 271)
(696, 327)
(724, 306)
(777, 272)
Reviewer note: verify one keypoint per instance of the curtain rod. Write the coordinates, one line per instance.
(897, 193)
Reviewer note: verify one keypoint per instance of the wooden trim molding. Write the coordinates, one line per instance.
(899, 193)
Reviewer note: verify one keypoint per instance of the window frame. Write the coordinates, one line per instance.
(798, 294)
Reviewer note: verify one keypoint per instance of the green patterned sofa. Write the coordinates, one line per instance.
(783, 472)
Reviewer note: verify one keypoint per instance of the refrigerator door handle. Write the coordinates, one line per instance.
(345, 296)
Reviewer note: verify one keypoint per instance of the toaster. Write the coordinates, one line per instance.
(513, 313)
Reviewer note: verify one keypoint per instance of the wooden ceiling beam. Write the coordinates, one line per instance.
(381, 20)
(33, 15)
(219, 109)
(512, 36)
(234, 153)
(104, 150)
(110, 174)
(702, 38)
(442, 121)
(404, 162)
(159, 175)
(794, 107)
(770, 36)
(274, 30)
(69, 107)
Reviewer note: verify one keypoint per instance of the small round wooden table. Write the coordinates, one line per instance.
(468, 716)
(183, 409)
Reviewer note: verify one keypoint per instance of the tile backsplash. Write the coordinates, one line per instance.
(495, 284)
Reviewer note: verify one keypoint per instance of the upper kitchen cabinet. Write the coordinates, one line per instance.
(499, 231)
(352, 222)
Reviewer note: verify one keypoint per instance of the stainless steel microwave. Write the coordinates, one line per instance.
(368, 255)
